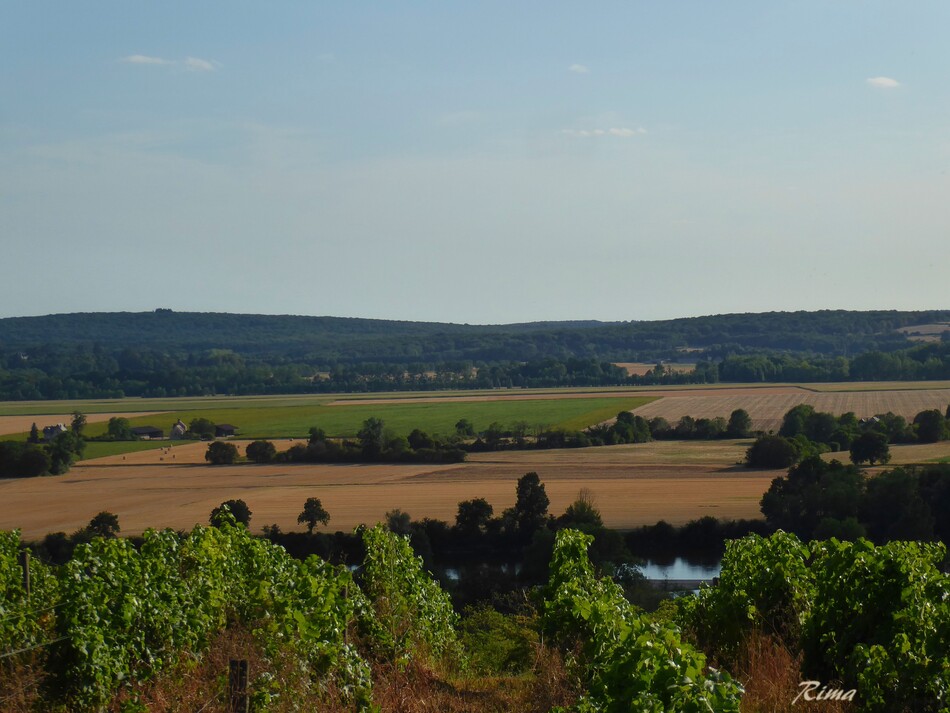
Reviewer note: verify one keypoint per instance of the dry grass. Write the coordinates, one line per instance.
(771, 675)
(640, 368)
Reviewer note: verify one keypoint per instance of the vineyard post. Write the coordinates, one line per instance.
(238, 701)
(25, 562)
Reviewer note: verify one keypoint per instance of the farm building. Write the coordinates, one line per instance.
(178, 430)
(50, 432)
(224, 430)
(147, 433)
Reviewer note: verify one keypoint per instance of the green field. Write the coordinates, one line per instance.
(276, 419)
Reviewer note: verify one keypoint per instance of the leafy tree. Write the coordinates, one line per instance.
(105, 524)
(464, 428)
(261, 451)
(893, 508)
(201, 427)
(771, 452)
(119, 429)
(870, 447)
(238, 509)
(531, 504)
(34, 436)
(317, 435)
(313, 513)
(931, 426)
(582, 513)
(812, 491)
(420, 439)
(371, 437)
(796, 420)
(221, 453)
(740, 424)
(64, 450)
(473, 516)
(399, 522)
(493, 434)
(78, 423)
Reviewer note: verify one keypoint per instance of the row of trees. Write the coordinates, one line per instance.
(806, 432)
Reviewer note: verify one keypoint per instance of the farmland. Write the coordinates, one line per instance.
(633, 484)
(767, 406)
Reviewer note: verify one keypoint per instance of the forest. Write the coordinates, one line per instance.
(165, 353)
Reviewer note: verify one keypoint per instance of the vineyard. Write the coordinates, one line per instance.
(872, 623)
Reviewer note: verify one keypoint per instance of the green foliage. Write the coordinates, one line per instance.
(24, 622)
(128, 613)
(312, 514)
(496, 644)
(870, 447)
(261, 451)
(221, 453)
(201, 427)
(875, 618)
(415, 617)
(231, 511)
(120, 429)
(627, 661)
(772, 452)
(765, 583)
(881, 621)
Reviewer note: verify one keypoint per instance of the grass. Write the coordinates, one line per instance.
(270, 419)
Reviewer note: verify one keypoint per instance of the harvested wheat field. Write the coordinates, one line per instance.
(632, 485)
(768, 406)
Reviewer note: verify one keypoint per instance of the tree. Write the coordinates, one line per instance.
(473, 516)
(398, 522)
(78, 423)
(464, 428)
(582, 512)
(740, 424)
(313, 513)
(201, 427)
(771, 452)
(931, 426)
(261, 451)
(317, 435)
(119, 429)
(221, 453)
(420, 439)
(870, 447)
(238, 509)
(531, 505)
(105, 524)
(63, 451)
(34, 434)
(371, 437)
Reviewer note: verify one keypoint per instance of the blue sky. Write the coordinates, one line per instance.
(489, 162)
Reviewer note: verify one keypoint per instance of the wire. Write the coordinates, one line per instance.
(31, 648)
(32, 611)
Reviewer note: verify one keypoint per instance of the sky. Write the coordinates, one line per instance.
(485, 162)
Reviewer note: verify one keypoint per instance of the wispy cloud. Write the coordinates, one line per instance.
(579, 69)
(193, 64)
(197, 64)
(883, 82)
(144, 59)
(618, 132)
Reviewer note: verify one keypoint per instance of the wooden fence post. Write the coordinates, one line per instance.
(238, 702)
(25, 563)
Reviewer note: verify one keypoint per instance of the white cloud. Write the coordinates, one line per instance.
(619, 132)
(144, 59)
(579, 68)
(883, 82)
(193, 64)
(196, 64)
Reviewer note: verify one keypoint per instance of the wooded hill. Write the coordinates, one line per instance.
(334, 340)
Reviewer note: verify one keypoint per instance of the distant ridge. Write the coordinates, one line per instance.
(349, 339)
